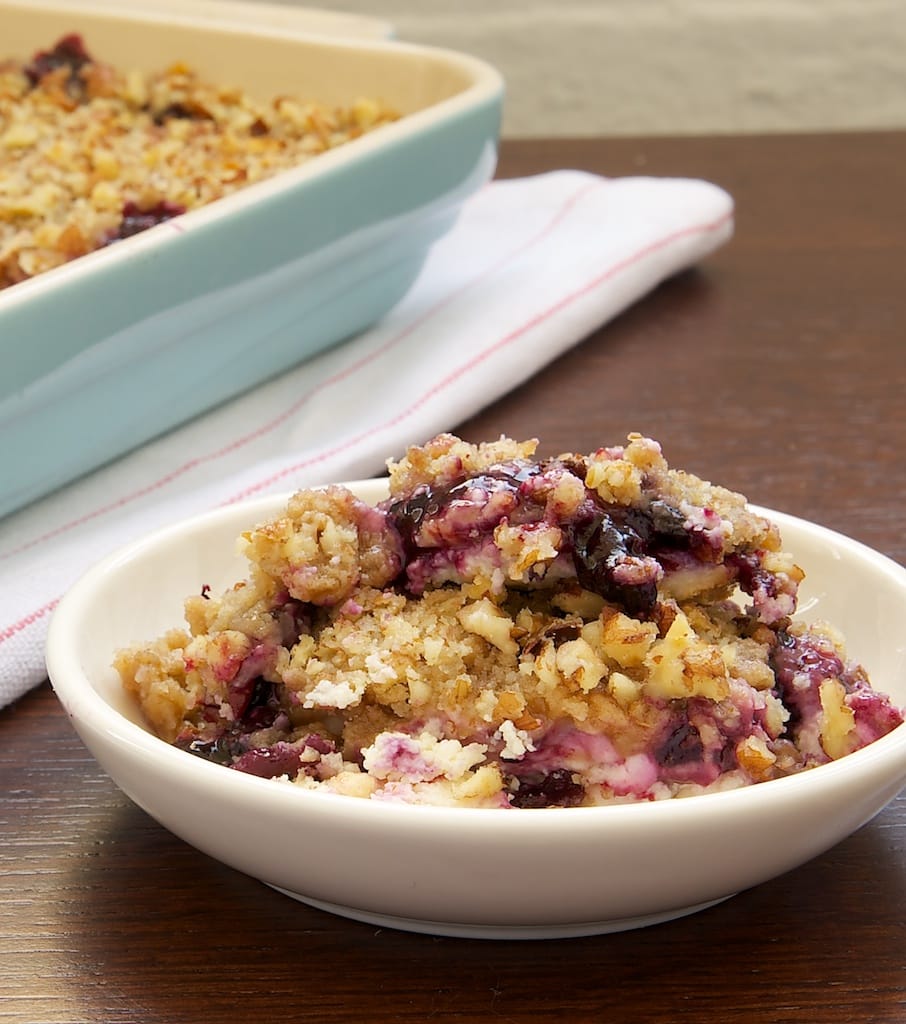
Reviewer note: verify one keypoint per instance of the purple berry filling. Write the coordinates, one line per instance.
(802, 664)
(280, 758)
(682, 746)
(135, 220)
(446, 516)
(554, 789)
(615, 551)
(69, 52)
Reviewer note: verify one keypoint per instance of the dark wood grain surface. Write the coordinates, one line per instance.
(777, 367)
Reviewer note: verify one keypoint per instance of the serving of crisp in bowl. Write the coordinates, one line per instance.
(191, 205)
(496, 695)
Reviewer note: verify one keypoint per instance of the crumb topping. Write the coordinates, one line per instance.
(93, 153)
(509, 632)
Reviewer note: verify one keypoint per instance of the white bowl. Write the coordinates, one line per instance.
(461, 871)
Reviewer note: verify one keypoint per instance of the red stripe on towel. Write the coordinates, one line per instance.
(28, 620)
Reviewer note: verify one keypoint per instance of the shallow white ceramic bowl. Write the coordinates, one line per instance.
(487, 873)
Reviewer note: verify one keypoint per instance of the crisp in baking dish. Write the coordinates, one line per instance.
(117, 346)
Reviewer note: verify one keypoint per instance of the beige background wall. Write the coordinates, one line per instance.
(578, 67)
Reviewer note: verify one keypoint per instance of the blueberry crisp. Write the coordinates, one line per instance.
(509, 632)
(92, 153)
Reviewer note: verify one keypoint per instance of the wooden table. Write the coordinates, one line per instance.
(776, 367)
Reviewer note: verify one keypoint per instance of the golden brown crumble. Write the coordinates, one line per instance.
(506, 632)
(91, 152)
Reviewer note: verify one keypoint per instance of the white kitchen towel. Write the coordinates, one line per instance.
(532, 267)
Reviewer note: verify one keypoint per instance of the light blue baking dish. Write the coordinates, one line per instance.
(108, 351)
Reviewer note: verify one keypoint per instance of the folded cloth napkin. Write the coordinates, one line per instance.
(531, 267)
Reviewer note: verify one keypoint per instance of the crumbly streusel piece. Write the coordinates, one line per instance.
(446, 459)
(326, 545)
(511, 632)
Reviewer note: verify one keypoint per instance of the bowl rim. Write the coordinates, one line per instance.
(91, 714)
